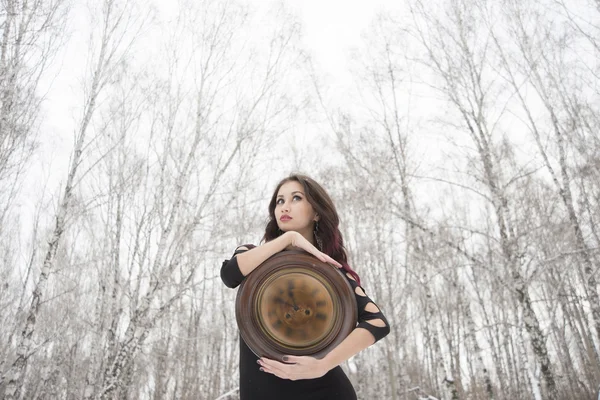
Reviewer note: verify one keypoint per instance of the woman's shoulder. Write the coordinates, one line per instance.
(244, 247)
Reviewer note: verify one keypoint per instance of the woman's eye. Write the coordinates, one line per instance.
(295, 197)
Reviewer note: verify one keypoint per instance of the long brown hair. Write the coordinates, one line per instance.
(329, 232)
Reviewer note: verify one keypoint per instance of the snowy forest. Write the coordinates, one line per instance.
(140, 144)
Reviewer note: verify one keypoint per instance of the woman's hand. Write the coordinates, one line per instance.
(297, 240)
(295, 367)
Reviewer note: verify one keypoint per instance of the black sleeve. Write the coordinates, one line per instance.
(378, 332)
(230, 270)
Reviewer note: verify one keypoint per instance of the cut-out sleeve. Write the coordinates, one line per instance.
(230, 270)
(370, 316)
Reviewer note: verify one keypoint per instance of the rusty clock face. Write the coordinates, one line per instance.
(295, 304)
(296, 308)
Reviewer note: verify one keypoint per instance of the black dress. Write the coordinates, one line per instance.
(334, 385)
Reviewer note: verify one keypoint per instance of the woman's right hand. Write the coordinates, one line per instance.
(297, 240)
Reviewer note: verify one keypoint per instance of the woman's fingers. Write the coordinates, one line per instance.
(270, 370)
(274, 367)
(294, 367)
(321, 257)
(306, 245)
(326, 259)
(296, 359)
(332, 261)
(273, 363)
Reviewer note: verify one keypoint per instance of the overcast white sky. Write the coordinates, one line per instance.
(331, 29)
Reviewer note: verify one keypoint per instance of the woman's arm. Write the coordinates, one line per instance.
(249, 260)
(234, 271)
(372, 326)
(303, 367)
(358, 340)
(247, 257)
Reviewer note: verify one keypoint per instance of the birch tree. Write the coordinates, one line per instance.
(542, 58)
(31, 34)
(194, 151)
(460, 58)
(22, 65)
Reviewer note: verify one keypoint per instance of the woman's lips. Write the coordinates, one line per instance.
(285, 218)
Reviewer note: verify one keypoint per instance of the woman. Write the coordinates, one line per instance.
(303, 216)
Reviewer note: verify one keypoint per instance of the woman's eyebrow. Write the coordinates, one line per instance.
(290, 193)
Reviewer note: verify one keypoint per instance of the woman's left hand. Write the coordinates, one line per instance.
(295, 367)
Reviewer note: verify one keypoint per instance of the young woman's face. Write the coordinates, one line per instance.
(292, 211)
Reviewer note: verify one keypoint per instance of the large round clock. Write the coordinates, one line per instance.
(295, 304)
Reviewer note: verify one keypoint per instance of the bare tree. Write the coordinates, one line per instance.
(541, 60)
(31, 35)
(194, 150)
(105, 60)
(21, 68)
(507, 278)
(457, 54)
